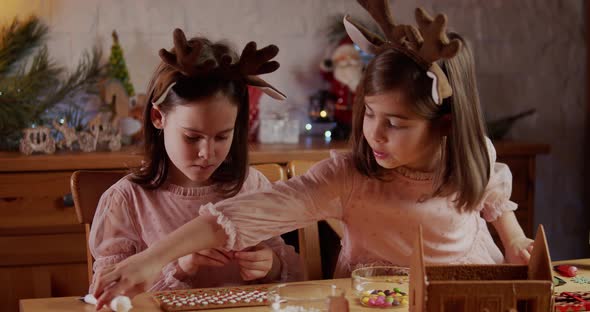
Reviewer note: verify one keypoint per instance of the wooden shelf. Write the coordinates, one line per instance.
(307, 149)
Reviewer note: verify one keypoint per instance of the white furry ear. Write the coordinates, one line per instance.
(435, 95)
(357, 34)
(441, 89)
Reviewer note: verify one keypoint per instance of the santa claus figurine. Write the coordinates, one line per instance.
(343, 70)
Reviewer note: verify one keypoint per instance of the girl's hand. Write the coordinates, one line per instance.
(258, 262)
(211, 257)
(129, 277)
(519, 250)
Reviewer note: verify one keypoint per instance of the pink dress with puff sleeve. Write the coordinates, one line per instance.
(380, 218)
(130, 218)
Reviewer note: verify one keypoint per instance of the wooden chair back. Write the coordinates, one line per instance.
(273, 172)
(308, 237)
(87, 187)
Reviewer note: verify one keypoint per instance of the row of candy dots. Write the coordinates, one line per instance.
(384, 298)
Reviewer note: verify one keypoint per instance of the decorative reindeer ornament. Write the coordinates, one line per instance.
(425, 45)
(187, 58)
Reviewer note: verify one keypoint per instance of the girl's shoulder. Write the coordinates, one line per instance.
(339, 163)
(125, 187)
(255, 180)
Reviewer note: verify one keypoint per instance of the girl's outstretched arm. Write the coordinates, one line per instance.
(136, 273)
(499, 210)
(517, 246)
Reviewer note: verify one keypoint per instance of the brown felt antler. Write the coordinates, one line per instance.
(255, 62)
(425, 45)
(185, 57)
(188, 59)
(381, 13)
(436, 44)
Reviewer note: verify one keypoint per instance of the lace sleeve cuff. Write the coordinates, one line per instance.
(224, 222)
(496, 209)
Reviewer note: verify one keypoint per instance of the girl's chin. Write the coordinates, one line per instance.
(387, 163)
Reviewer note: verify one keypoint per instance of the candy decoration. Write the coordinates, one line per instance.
(384, 298)
(581, 280)
(572, 301)
(566, 270)
(199, 299)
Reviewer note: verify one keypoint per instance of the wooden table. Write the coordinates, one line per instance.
(144, 302)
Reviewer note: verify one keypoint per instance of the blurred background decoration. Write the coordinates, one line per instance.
(330, 108)
(33, 88)
(44, 108)
(497, 129)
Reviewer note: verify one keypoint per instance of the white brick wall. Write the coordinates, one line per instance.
(530, 53)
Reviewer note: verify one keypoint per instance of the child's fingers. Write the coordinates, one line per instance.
(254, 265)
(228, 254)
(530, 248)
(251, 256)
(105, 298)
(525, 255)
(104, 281)
(116, 289)
(215, 256)
(249, 275)
(206, 261)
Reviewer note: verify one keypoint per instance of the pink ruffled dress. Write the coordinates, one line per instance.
(130, 218)
(380, 218)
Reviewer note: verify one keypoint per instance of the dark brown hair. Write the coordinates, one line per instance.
(231, 174)
(465, 166)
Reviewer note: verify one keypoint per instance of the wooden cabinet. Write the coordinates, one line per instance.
(42, 246)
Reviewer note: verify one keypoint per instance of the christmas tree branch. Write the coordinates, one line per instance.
(18, 40)
(84, 79)
(27, 96)
(19, 93)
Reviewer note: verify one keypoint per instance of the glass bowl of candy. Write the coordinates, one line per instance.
(382, 286)
(303, 297)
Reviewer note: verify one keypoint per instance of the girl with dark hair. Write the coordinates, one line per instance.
(195, 133)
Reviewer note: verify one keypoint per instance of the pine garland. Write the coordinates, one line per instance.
(28, 92)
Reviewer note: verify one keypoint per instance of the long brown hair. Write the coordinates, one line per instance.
(231, 174)
(465, 165)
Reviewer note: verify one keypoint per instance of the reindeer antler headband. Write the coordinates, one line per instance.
(425, 45)
(252, 62)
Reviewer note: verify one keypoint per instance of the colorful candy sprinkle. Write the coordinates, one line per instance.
(384, 298)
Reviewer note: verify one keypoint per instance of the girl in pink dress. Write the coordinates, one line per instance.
(419, 157)
(196, 133)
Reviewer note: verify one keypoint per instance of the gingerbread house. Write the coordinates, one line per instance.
(489, 288)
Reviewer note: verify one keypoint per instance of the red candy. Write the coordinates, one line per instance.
(566, 270)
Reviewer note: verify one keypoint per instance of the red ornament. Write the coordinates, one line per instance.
(566, 270)
(253, 119)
